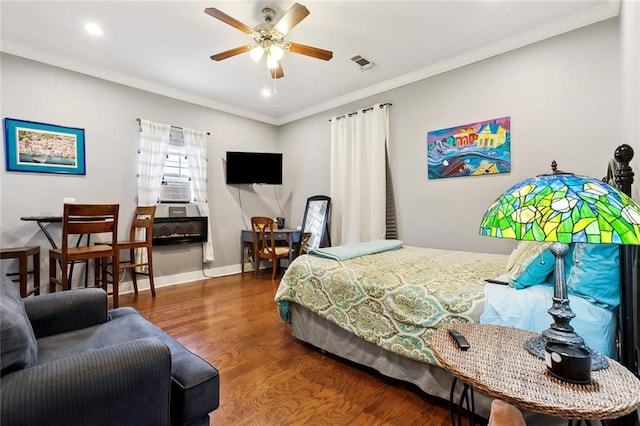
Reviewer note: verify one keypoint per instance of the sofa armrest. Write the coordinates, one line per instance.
(70, 310)
(124, 384)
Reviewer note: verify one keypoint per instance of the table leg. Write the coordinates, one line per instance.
(451, 410)
(86, 264)
(52, 274)
(36, 273)
(241, 254)
(22, 264)
(47, 234)
(466, 397)
(290, 238)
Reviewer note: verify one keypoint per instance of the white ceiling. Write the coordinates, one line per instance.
(164, 46)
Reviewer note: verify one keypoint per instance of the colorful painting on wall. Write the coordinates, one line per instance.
(43, 148)
(482, 148)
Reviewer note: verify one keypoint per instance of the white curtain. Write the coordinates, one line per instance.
(152, 152)
(196, 144)
(358, 179)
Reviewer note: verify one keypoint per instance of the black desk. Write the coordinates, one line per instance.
(291, 236)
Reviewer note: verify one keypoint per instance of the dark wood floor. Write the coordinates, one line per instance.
(267, 377)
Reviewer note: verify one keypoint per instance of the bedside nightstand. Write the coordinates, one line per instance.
(498, 365)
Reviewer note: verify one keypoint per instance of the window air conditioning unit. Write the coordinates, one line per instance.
(175, 192)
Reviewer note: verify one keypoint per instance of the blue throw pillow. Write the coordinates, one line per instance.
(18, 348)
(592, 271)
(527, 309)
(533, 265)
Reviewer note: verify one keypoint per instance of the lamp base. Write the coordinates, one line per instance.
(535, 346)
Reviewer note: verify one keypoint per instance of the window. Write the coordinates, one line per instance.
(176, 180)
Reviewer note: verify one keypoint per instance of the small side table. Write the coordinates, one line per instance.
(498, 365)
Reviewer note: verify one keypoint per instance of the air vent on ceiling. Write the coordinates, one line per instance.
(363, 62)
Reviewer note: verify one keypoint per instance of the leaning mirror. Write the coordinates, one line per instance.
(316, 221)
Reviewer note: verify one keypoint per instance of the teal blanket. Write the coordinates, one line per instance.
(358, 249)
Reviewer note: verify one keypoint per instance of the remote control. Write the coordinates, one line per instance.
(459, 338)
(496, 282)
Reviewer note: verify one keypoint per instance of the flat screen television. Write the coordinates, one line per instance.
(254, 167)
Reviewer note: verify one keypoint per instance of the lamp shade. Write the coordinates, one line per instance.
(276, 51)
(256, 53)
(563, 207)
(272, 63)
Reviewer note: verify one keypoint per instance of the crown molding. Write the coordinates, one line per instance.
(603, 10)
(127, 80)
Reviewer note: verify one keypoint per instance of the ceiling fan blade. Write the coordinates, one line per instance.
(229, 53)
(291, 18)
(277, 72)
(218, 14)
(314, 52)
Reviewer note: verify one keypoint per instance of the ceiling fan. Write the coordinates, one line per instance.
(269, 38)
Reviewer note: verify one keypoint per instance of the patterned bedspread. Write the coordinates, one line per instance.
(394, 299)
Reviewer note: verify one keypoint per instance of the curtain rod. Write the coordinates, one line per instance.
(175, 127)
(363, 110)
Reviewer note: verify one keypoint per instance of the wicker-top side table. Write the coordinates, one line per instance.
(498, 365)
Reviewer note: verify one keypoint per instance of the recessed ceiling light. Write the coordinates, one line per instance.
(266, 93)
(93, 29)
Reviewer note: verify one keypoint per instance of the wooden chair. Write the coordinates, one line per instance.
(304, 242)
(22, 254)
(264, 246)
(81, 219)
(140, 237)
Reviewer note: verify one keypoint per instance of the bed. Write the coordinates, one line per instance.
(380, 309)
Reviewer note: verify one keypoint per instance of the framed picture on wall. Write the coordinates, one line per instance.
(474, 149)
(43, 148)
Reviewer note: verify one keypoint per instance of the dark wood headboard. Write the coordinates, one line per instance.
(628, 319)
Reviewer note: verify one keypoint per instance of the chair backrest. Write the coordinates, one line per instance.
(80, 219)
(304, 241)
(263, 236)
(142, 224)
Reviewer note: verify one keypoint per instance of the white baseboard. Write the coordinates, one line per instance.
(126, 286)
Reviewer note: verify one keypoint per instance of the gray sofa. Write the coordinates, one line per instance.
(67, 360)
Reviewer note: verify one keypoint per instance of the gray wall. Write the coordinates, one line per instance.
(108, 111)
(563, 96)
(630, 42)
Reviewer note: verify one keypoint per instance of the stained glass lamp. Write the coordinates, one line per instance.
(563, 208)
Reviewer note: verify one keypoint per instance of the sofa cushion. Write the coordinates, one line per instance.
(18, 347)
(195, 383)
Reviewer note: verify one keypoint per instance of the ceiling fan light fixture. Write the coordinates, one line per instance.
(268, 38)
(272, 63)
(256, 53)
(276, 52)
